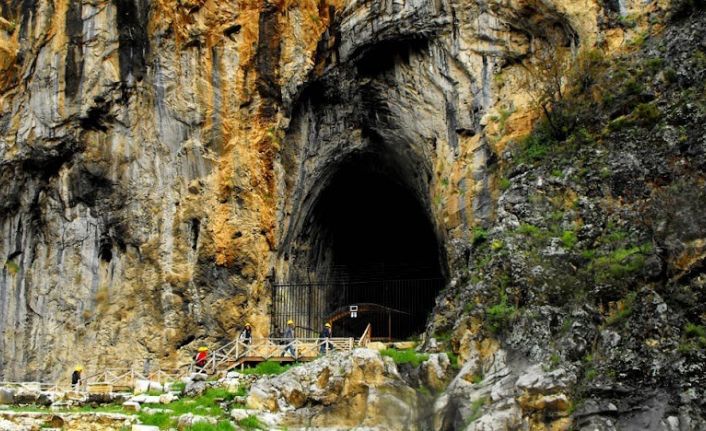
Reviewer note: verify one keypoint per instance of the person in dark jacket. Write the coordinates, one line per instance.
(289, 340)
(326, 346)
(76, 377)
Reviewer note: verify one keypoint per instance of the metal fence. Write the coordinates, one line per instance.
(401, 306)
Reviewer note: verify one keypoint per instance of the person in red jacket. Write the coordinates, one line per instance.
(202, 356)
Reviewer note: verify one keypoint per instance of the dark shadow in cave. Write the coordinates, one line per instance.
(370, 240)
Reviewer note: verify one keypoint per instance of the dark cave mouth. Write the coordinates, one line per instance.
(369, 242)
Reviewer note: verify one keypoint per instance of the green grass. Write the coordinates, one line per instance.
(499, 315)
(504, 184)
(407, 356)
(479, 235)
(696, 334)
(453, 358)
(569, 239)
(251, 422)
(476, 409)
(626, 312)
(220, 426)
(178, 386)
(161, 420)
(267, 368)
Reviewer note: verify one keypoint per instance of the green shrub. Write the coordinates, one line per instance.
(569, 239)
(646, 114)
(453, 358)
(479, 235)
(696, 333)
(407, 356)
(620, 262)
(504, 184)
(499, 315)
(529, 230)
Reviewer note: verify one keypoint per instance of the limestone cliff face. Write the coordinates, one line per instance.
(159, 160)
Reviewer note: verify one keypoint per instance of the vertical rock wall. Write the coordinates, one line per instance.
(158, 158)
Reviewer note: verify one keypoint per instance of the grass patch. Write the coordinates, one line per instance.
(453, 359)
(624, 312)
(161, 420)
(499, 315)
(476, 409)
(251, 422)
(407, 356)
(178, 387)
(620, 262)
(267, 368)
(569, 239)
(479, 235)
(504, 184)
(220, 426)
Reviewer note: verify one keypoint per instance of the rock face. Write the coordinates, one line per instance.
(161, 163)
(341, 391)
(159, 159)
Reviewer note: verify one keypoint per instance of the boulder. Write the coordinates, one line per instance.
(145, 386)
(140, 427)
(7, 396)
(376, 345)
(195, 388)
(435, 371)
(240, 414)
(188, 420)
(341, 390)
(131, 406)
(167, 398)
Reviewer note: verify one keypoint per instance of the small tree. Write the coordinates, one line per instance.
(559, 83)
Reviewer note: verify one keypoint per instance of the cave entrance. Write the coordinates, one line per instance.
(367, 242)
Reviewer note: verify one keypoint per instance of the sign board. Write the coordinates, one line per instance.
(354, 311)
(354, 314)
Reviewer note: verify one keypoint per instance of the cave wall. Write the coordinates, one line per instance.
(159, 158)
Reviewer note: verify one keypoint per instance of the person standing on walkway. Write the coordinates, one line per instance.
(289, 340)
(246, 335)
(76, 377)
(325, 346)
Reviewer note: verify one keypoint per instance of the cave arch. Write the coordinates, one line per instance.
(366, 237)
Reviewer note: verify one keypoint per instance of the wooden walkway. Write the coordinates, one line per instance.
(234, 354)
(238, 352)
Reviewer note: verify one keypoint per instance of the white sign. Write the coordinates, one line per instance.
(354, 314)
(353, 308)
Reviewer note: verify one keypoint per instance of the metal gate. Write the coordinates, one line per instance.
(394, 308)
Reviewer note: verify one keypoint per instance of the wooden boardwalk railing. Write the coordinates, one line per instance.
(227, 357)
(238, 352)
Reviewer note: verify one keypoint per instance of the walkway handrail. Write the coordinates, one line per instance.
(268, 348)
(367, 335)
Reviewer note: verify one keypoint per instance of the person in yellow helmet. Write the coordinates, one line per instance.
(326, 346)
(76, 377)
(246, 335)
(289, 340)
